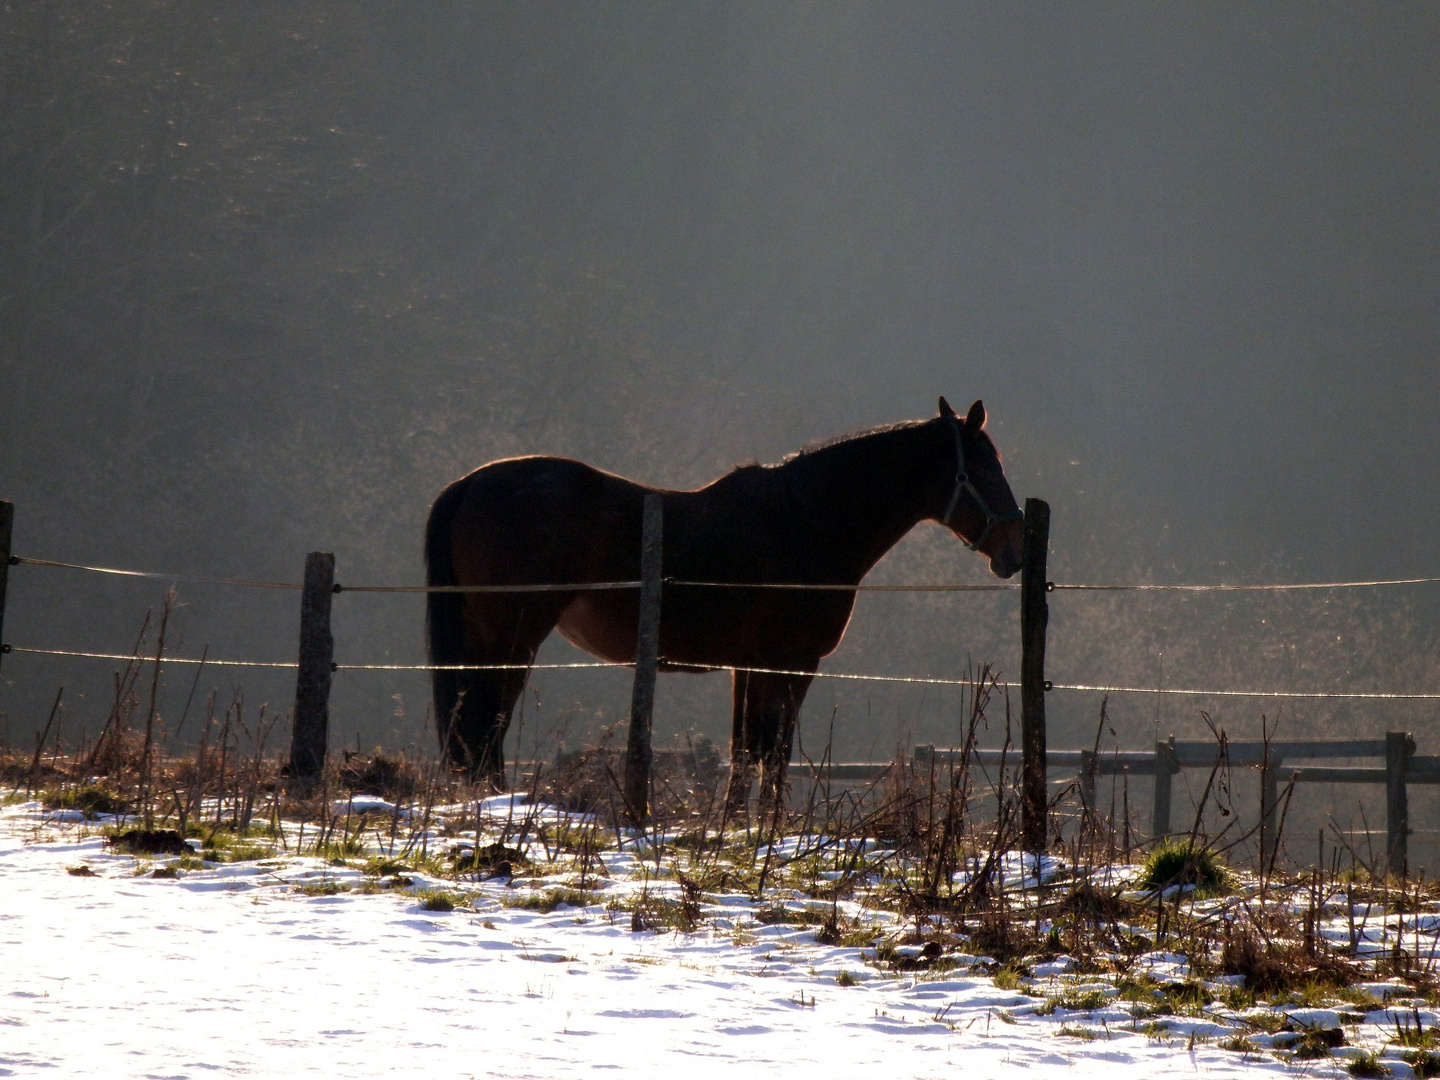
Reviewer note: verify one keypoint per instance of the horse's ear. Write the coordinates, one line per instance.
(975, 418)
(945, 409)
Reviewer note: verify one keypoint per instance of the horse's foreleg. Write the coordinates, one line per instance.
(744, 746)
(772, 709)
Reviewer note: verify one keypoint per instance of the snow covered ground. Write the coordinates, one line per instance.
(232, 969)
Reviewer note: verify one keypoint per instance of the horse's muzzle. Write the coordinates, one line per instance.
(1005, 561)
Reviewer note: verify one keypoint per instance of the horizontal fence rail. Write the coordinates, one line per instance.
(1402, 768)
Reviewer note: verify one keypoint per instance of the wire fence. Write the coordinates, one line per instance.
(586, 586)
(598, 586)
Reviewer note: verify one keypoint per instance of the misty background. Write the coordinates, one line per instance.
(274, 274)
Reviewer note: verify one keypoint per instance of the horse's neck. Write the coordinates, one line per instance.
(861, 497)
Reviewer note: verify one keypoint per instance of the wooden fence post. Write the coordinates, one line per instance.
(1165, 768)
(1398, 748)
(647, 650)
(7, 524)
(1034, 616)
(923, 758)
(1086, 780)
(311, 723)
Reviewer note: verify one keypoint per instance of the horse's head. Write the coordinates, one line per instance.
(980, 508)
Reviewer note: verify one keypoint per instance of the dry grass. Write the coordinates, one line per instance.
(932, 847)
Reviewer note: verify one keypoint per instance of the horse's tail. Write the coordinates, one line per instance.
(444, 611)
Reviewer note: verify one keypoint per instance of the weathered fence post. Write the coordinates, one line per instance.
(7, 525)
(312, 681)
(1034, 615)
(923, 759)
(1398, 748)
(1086, 780)
(1165, 767)
(647, 650)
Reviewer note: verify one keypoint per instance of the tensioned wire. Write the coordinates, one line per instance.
(596, 586)
(17, 560)
(589, 586)
(843, 675)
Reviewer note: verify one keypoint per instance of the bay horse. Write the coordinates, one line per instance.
(824, 515)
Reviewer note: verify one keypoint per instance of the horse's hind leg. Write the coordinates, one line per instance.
(473, 736)
(502, 631)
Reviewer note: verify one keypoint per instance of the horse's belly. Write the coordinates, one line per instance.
(704, 636)
(599, 630)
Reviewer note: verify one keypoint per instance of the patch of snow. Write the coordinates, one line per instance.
(240, 969)
(1323, 1019)
(1382, 991)
(365, 804)
(1059, 966)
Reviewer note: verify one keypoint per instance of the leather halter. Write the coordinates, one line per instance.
(963, 483)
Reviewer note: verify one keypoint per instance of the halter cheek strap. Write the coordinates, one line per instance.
(963, 483)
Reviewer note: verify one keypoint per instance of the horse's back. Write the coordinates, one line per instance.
(540, 519)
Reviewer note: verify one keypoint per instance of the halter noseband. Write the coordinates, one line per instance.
(963, 483)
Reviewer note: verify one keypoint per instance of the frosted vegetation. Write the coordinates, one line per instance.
(393, 913)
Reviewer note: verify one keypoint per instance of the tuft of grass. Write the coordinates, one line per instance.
(779, 914)
(492, 857)
(348, 846)
(1077, 1001)
(1278, 967)
(379, 866)
(327, 887)
(390, 776)
(1270, 1023)
(239, 851)
(414, 863)
(90, 798)
(1416, 1036)
(1367, 1066)
(1173, 862)
(660, 913)
(1152, 999)
(1311, 1044)
(1008, 978)
(858, 936)
(1425, 1063)
(547, 901)
(228, 845)
(437, 900)
(1238, 998)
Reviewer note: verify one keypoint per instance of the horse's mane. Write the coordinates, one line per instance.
(825, 444)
